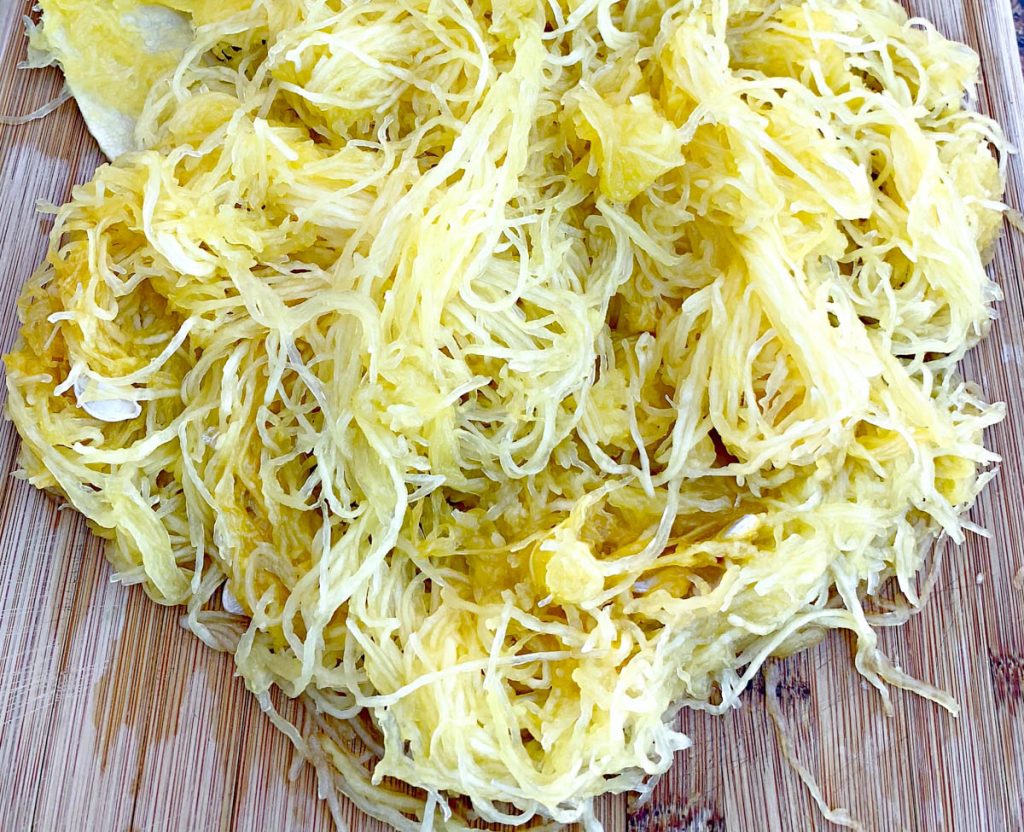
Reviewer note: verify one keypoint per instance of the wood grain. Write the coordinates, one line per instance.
(114, 718)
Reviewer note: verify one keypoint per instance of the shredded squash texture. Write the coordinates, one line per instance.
(503, 376)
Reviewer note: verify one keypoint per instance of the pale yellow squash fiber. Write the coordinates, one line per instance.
(523, 372)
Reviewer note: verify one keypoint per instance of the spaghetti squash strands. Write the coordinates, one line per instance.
(500, 376)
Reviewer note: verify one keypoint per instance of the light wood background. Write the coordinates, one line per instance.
(113, 718)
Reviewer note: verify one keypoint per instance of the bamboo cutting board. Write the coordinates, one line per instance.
(113, 718)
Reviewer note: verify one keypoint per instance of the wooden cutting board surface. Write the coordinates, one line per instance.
(113, 718)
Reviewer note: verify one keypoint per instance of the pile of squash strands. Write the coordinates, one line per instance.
(504, 376)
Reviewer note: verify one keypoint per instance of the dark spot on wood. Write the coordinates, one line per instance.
(790, 688)
(668, 817)
(1007, 679)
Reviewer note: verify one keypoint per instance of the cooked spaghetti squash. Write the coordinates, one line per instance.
(503, 376)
